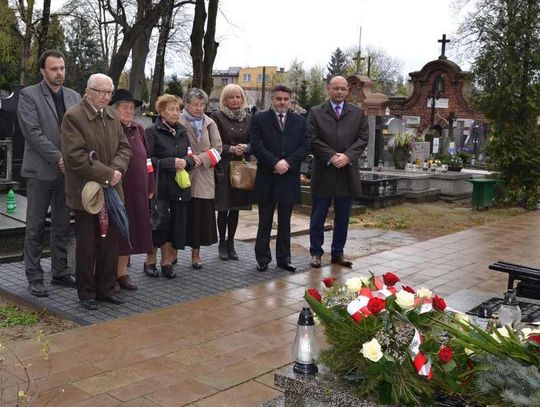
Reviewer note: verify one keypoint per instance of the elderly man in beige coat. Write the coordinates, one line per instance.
(94, 149)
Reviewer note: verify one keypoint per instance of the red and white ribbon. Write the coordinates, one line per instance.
(358, 309)
(421, 363)
(214, 156)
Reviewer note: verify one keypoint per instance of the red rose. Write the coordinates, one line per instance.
(439, 303)
(390, 279)
(445, 354)
(534, 338)
(375, 305)
(408, 289)
(329, 282)
(315, 294)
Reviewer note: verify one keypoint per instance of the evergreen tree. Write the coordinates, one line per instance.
(83, 56)
(10, 50)
(303, 94)
(506, 40)
(338, 63)
(174, 86)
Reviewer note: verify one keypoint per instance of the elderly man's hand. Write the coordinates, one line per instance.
(116, 178)
(340, 160)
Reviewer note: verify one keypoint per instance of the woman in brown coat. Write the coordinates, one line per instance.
(233, 123)
(206, 151)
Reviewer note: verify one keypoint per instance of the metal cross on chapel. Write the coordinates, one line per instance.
(443, 41)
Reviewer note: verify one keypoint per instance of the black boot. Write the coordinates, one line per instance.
(223, 252)
(230, 248)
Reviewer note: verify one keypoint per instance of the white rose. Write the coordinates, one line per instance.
(372, 350)
(424, 292)
(405, 299)
(354, 284)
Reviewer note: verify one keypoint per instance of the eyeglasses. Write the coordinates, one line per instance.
(107, 93)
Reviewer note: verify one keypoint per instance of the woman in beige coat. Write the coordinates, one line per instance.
(206, 149)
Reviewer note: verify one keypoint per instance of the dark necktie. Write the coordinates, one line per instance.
(338, 111)
(281, 123)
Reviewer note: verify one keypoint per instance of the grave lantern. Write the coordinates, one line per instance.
(305, 347)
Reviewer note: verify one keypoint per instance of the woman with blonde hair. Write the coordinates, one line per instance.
(233, 123)
(168, 147)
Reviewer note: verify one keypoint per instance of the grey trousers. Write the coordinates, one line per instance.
(41, 194)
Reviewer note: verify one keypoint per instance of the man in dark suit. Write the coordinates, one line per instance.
(338, 133)
(40, 111)
(278, 138)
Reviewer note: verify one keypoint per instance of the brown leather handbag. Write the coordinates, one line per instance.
(242, 174)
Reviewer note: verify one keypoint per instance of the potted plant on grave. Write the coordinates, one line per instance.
(399, 146)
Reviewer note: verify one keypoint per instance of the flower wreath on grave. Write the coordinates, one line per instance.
(404, 346)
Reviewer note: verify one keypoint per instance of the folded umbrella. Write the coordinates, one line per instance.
(117, 212)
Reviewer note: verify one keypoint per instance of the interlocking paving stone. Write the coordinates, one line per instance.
(215, 277)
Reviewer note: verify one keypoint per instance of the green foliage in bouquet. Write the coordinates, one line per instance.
(383, 338)
(506, 362)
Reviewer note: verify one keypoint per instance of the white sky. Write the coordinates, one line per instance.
(274, 32)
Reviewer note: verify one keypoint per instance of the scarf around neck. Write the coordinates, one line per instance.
(238, 114)
(196, 123)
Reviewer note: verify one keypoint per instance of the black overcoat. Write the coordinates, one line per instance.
(329, 135)
(270, 144)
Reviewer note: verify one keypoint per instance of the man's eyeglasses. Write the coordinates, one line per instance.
(103, 92)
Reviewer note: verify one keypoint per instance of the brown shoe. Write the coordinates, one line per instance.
(315, 261)
(342, 261)
(126, 283)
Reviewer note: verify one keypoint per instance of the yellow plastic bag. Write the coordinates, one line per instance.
(182, 179)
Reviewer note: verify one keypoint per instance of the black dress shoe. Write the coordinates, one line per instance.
(342, 261)
(262, 266)
(287, 266)
(167, 271)
(150, 270)
(113, 299)
(90, 304)
(37, 289)
(66, 281)
(315, 262)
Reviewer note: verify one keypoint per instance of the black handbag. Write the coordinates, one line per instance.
(160, 210)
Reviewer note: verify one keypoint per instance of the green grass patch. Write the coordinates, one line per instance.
(10, 316)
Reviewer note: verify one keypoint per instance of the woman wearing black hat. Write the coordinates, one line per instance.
(138, 186)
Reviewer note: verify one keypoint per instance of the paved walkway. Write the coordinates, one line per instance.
(221, 350)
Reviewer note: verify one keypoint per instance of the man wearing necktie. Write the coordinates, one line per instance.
(278, 139)
(338, 133)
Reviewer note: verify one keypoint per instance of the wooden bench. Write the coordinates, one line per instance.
(528, 278)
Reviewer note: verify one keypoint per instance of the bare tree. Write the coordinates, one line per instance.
(203, 45)
(143, 24)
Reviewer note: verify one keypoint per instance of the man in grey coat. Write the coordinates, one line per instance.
(40, 111)
(338, 133)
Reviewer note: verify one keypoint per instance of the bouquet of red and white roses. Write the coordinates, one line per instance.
(383, 335)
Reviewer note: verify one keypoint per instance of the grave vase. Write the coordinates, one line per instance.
(400, 158)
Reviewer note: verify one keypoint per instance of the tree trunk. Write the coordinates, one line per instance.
(159, 66)
(139, 53)
(197, 35)
(44, 29)
(210, 47)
